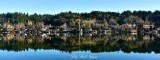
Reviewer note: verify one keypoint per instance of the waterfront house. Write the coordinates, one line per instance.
(1, 25)
(66, 30)
(112, 26)
(129, 25)
(8, 27)
(156, 31)
(133, 32)
(147, 25)
(87, 30)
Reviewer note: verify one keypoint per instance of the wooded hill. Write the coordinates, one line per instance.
(72, 19)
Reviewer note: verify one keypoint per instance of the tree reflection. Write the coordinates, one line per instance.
(74, 42)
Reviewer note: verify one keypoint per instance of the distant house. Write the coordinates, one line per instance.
(156, 31)
(130, 25)
(8, 26)
(112, 26)
(87, 29)
(133, 32)
(1, 25)
(147, 25)
(66, 30)
(43, 28)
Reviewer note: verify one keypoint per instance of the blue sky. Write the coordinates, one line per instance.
(57, 6)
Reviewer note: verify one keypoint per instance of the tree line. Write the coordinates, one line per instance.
(72, 18)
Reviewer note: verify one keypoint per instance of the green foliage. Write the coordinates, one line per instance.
(67, 17)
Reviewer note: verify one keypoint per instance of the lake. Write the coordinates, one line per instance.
(79, 47)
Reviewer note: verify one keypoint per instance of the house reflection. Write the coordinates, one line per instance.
(75, 42)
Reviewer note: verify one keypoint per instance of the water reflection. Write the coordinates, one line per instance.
(86, 42)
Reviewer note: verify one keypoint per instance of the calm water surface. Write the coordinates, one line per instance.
(77, 55)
